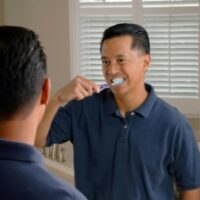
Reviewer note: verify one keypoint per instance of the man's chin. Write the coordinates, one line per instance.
(120, 92)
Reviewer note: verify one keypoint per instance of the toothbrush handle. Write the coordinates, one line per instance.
(104, 86)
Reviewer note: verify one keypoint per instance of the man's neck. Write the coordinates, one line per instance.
(18, 130)
(131, 101)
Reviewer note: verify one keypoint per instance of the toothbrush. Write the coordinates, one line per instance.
(115, 82)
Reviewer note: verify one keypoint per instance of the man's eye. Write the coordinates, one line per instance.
(105, 62)
(121, 61)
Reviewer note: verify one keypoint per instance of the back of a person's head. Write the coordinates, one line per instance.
(22, 70)
(137, 32)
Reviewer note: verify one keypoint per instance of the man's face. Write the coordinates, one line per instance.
(119, 60)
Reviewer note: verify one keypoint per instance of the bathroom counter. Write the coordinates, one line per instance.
(60, 170)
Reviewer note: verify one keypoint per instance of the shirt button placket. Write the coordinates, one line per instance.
(124, 135)
(125, 126)
(132, 113)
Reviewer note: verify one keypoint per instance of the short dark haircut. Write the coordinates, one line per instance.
(22, 70)
(138, 33)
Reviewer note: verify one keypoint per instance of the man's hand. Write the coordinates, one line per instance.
(78, 89)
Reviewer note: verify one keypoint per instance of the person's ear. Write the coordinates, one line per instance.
(45, 91)
(147, 61)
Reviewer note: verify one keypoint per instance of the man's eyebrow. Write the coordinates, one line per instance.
(103, 57)
(120, 55)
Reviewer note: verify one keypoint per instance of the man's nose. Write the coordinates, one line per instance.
(113, 68)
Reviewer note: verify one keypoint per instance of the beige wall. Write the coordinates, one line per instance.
(1, 12)
(49, 18)
(196, 127)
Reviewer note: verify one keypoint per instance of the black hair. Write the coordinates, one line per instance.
(138, 33)
(22, 70)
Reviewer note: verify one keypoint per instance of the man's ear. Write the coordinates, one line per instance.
(147, 61)
(45, 91)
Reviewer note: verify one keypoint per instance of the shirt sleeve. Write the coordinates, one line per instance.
(60, 130)
(187, 159)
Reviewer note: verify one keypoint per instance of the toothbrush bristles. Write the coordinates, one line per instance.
(117, 81)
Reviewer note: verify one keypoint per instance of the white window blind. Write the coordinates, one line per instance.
(175, 48)
(91, 32)
(174, 30)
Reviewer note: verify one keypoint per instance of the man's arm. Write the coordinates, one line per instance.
(191, 194)
(78, 89)
(45, 123)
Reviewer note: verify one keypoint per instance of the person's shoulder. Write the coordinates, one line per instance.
(170, 112)
(58, 188)
(31, 180)
(160, 108)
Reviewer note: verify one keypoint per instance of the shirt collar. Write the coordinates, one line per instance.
(19, 152)
(144, 110)
(147, 106)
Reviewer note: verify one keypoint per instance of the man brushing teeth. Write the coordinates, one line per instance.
(126, 58)
(128, 143)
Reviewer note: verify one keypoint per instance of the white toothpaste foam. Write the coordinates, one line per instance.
(117, 81)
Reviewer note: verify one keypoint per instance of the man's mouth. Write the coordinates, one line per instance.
(117, 81)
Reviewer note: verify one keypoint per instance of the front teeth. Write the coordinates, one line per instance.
(117, 81)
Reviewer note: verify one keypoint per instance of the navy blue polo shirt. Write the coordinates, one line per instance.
(136, 157)
(23, 176)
